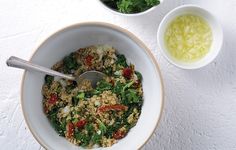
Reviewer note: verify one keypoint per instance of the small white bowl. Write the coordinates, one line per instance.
(70, 39)
(131, 15)
(216, 31)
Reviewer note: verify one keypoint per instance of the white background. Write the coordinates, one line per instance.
(200, 105)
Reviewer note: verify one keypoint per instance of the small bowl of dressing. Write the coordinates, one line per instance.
(190, 37)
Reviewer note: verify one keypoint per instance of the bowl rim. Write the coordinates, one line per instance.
(102, 24)
(162, 25)
(128, 15)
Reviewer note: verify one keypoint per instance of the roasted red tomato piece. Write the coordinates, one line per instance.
(53, 98)
(117, 107)
(70, 129)
(88, 60)
(127, 72)
(81, 123)
(119, 134)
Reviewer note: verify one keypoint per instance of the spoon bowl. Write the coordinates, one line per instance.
(93, 76)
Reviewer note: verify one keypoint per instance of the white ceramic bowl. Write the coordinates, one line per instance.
(133, 14)
(216, 30)
(81, 35)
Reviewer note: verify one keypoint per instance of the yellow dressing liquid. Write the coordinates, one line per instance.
(188, 38)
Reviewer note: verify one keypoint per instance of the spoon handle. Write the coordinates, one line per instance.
(20, 63)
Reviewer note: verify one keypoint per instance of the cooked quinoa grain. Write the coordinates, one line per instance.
(96, 117)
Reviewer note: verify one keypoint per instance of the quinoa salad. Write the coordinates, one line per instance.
(94, 117)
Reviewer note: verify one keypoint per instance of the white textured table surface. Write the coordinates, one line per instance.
(200, 105)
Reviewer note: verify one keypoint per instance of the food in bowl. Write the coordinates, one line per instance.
(98, 116)
(188, 38)
(130, 6)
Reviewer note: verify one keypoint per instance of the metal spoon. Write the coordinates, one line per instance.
(93, 76)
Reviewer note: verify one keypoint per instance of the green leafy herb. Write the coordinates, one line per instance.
(74, 101)
(79, 96)
(69, 88)
(132, 96)
(127, 85)
(126, 6)
(103, 86)
(70, 63)
(128, 95)
(118, 87)
(108, 71)
(113, 128)
(111, 3)
(131, 6)
(96, 138)
(59, 127)
(152, 2)
(58, 90)
(139, 75)
(121, 60)
(48, 79)
(89, 128)
(85, 139)
(89, 94)
(102, 127)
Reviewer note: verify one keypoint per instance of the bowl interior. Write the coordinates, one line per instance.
(81, 35)
(216, 31)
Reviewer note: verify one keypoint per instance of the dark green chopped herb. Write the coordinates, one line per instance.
(132, 96)
(69, 88)
(110, 131)
(96, 138)
(152, 2)
(77, 98)
(59, 127)
(59, 89)
(130, 6)
(128, 95)
(84, 138)
(103, 86)
(70, 63)
(118, 88)
(88, 94)
(48, 79)
(139, 75)
(121, 60)
(127, 85)
(102, 127)
(75, 101)
(111, 3)
(90, 129)
(108, 71)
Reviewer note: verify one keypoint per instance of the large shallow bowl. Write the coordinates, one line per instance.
(72, 38)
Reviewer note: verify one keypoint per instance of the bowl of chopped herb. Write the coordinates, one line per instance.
(130, 7)
(120, 112)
